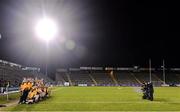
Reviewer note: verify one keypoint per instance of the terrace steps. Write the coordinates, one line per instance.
(69, 79)
(93, 79)
(136, 78)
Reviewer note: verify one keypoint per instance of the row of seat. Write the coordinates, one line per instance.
(124, 78)
(14, 76)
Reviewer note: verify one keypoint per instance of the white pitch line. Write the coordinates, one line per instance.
(56, 89)
(94, 111)
(150, 102)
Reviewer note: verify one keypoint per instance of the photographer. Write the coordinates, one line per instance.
(144, 90)
(150, 90)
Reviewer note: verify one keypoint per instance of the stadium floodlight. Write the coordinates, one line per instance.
(46, 29)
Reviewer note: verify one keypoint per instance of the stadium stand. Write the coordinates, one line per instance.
(116, 77)
(126, 79)
(80, 77)
(14, 75)
(144, 76)
(102, 78)
(61, 78)
(90, 76)
(172, 78)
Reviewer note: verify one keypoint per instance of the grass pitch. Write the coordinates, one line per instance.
(11, 97)
(105, 99)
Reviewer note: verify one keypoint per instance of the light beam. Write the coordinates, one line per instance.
(46, 29)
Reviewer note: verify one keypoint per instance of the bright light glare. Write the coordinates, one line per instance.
(46, 29)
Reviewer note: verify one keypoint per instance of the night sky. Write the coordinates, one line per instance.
(117, 33)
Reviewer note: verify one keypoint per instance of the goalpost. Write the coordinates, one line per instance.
(157, 83)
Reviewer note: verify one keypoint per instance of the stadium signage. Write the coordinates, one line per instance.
(74, 69)
(82, 84)
(91, 68)
(85, 68)
(146, 69)
(31, 69)
(61, 70)
(10, 63)
(97, 68)
(66, 84)
(131, 69)
(110, 68)
(175, 69)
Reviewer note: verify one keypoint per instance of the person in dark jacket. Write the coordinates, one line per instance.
(150, 90)
(144, 90)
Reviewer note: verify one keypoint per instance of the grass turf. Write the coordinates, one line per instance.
(12, 97)
(105, 99)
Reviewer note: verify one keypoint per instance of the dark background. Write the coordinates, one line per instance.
(106, 33)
